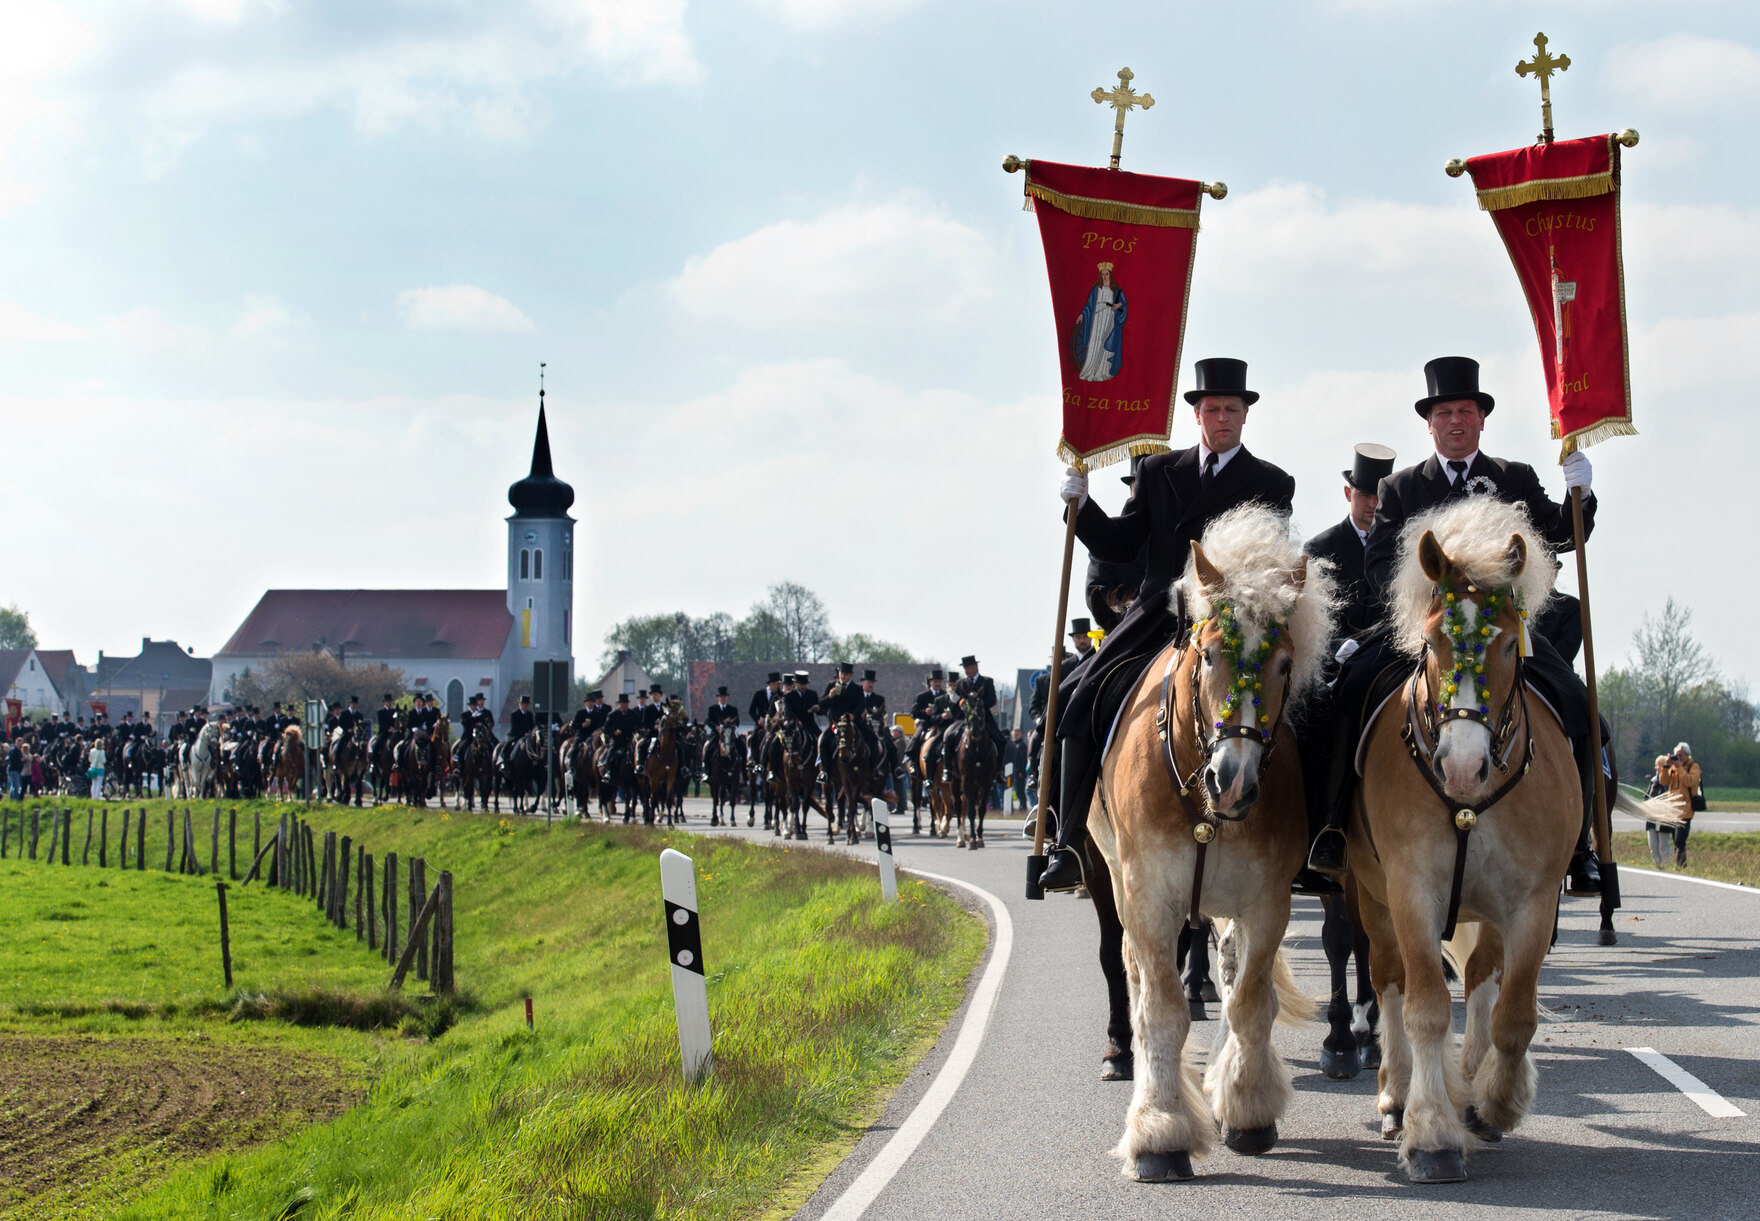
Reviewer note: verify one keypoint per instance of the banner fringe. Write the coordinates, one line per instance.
(1498, 198)
(1597, 433)
(1106, 209)
(1136, 447)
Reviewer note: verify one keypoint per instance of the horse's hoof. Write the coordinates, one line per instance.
(1437, 1166)
(1393, 1123)
(1478, 1127)
(1197, 1007)
(1118, 1068)
(1208, 991)
(1369, 1052)
(1250, 1142)
(1164, 1167)
(1340, 1066)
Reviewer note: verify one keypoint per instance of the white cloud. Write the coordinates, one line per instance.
(20, 326)
(1684, 72)
(823, 14)
(147, 330)
(459, 307)
(902, 263)
(264, 316)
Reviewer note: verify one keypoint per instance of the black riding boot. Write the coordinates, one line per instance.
(1328, 854)
(1585, 874)
(1064, 872)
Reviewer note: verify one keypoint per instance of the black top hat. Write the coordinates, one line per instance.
(1372, 464)
(968, 660)
(933, 674)
(525, 699)
(868, 676)
(354, 699)
(623, 697)
(656, 689)
(1222, 375)
(386, 697)
(775, 676)
(1079, 627)
(1452, 377)
(721, 691)
(843, 667)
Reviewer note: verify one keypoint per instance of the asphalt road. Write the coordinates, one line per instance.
(1028, 1132)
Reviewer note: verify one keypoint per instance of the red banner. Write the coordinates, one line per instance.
(1557, 208)
(1118, 248)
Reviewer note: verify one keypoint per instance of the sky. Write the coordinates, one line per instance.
(276, 279)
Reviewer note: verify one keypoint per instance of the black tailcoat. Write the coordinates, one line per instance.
(1359, 608)
(1167, 511)
(1405, 494)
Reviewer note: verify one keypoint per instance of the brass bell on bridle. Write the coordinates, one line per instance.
(1466, 820)
(1204, 832)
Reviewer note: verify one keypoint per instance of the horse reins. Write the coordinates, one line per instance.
(1419, 725)
(1204, 826)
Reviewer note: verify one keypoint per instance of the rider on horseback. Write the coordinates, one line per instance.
(843, 698)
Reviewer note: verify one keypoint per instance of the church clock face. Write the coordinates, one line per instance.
(531, 536)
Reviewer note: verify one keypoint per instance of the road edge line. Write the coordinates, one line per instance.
(1687, 877)
(904, 1141)
(1696, 1091)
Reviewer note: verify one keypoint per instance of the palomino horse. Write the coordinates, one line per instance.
(978, 765)
(1203, 725)
(290, 763)
(1469, 808)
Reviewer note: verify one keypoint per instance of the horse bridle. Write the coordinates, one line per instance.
(1420, 726)
(1203, 821)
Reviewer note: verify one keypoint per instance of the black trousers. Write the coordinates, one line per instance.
(1091, 691)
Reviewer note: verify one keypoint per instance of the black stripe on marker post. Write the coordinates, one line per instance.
(684, 937)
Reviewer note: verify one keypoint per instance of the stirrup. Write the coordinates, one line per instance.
(1330, 852)
(1059, 875)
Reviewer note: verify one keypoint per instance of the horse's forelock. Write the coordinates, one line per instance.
(1474, 536)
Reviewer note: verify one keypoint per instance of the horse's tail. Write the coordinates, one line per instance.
(1663, 809)
(1294, 1007)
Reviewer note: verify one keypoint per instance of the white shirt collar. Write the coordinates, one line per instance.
(1362, 535)
(1222, 458)
(1447, 473)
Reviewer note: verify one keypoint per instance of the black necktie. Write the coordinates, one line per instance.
(1209, 467)
(1460, 472)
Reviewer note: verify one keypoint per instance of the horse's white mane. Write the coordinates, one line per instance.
(1257, 551)
(1474, 534)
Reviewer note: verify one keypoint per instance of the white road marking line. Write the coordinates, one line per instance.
(1707, 1099)
(873, 1179)
(1686, 877)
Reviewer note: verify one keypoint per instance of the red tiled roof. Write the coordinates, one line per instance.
(56, 664)
(378, 623)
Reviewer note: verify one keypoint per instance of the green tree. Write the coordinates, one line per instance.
(861, 647)
(760, 636)
(15, 629)
(1669, 663)
(292, 680)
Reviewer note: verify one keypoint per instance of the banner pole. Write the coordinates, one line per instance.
(1048, 744)
(1603, 822)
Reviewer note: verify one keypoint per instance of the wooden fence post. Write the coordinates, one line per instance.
(367, 880)
(190, 854)
(66, 835)
(225, 938)
(390, 898)
(5, 829)
(443, 935)
(170, 835)
(257, 864)
(104, 838)
(85, 857)
(312, 860)
(324, 877)
(54, 834)
(418, 897)
(417, 938)
(140, 842)
(214, 844)
(344, 862)
(232, 842)
(281, 854)
(36, 827)
(257, 835)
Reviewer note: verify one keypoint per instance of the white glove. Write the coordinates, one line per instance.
(1577, 471)
(1345, 650)
(1075, 486)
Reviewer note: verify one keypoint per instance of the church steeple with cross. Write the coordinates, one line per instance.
(540, 557)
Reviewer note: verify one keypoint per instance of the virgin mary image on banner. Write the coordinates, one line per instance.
(1098, 344)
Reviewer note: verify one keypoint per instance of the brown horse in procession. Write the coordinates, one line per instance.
(1199, 813)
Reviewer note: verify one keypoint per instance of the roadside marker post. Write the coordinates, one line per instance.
(528, 1013)
(883, 847)
(684, 946)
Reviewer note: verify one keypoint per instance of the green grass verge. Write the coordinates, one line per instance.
(1724, 856)
(1731, 800)
(820, 995)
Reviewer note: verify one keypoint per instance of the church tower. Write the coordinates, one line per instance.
(540, 562)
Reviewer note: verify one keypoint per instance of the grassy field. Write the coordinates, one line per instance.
(1727, 799)
(820, 995)
(1723, 856)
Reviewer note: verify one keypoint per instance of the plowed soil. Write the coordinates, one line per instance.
(69, 1106)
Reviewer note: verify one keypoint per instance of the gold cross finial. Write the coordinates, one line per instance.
(1121, 100)
(1543, 65)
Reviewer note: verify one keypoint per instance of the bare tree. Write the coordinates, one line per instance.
(1669, 664)
(805, 623)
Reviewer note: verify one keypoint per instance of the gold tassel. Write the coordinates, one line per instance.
(1498, 198)
(1111, 454)
(1106, 209)
(1596, 433)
